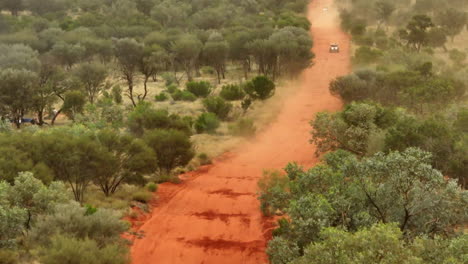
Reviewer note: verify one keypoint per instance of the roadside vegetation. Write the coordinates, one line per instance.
(102, 100)
(391, 187)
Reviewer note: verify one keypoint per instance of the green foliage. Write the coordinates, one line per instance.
(367, 55)
(185, 95)
(416, 33)
(75, 251)
(23, 202)
(172, 147)
(232, 92)
(260, 88)
(364, 246)
(74, 104)
(218, 106)
(207, 123)
(161, 97)
(151, 186)
(8, 256)
(204, 159)
(104, 226)
(200, 89)
(351, 129)
(125, 159)
(145, 117)
(243, 127)
(142, 196)
(273, 192)
(353, 195)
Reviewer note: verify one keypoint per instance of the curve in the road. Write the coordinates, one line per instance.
(213, 217)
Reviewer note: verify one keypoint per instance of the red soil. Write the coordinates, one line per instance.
(213, 216)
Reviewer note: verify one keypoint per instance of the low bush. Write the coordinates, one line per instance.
(104, 226)
(207, 123)
(161, 97)
(151, 186)
(204, 159)
(232, 92)
(243, 127)
(218, 106)
(65, 249)
(8, 256)
(200, 89)
(187, 96)
(172, 88)
(142, 196)
(260, 88)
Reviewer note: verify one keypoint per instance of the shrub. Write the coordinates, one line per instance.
(151, 186)
(8, 256)
(142, 196)
(117, 94)
(204, 159)
(243, 127)
(66, 249)
(184, 96)
(200, 89)
(172, 147)
(172, 88)
(218, 106)
(145, 117)
(104, 226)
(274, 192)
(367, 55)
(260, 87)
(161, 97)
(168, 78)
(232, 92)
(207, 122)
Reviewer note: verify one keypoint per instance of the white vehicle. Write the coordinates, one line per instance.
(334, 48)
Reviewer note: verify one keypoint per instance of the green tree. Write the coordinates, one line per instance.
(379, 244)
(14, 6)
(91, 77)
(207, 122)
(129, 55)
(453, 20)
(186, 50)
(383, 11)
(73, 104)
(215, 52)
(172, 147)
(218, 106)
(260, 87)
(126, 159)
(416, 33)
(68, 54)
(17, 88)
(144, 117)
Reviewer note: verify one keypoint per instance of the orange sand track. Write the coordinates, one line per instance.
(213, 217)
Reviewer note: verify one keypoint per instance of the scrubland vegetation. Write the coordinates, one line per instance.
(391, 187)
(117, 91)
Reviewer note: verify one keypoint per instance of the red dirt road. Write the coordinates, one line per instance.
(213, 217)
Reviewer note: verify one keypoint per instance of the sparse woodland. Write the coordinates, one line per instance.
(100, 100)
(391, 187)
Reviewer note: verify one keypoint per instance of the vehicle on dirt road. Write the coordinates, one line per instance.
(334, 48)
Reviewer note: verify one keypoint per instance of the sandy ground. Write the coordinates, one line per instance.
(213, 216)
